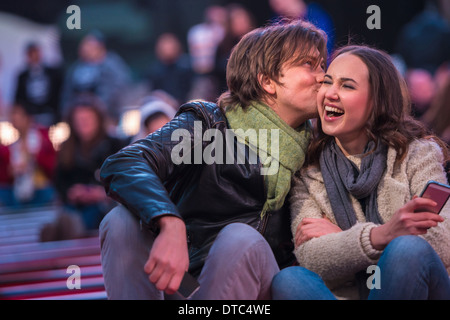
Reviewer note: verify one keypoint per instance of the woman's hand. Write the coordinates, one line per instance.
(313, 228)
(406, 222)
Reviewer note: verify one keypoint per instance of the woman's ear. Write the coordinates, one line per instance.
(267, 84)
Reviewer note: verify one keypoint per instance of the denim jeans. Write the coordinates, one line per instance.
(240, 263)
(409, 269)
(44, 196)
(91, 215)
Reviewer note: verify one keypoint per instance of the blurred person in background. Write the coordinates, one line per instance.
(2, 103)
(154, 114)
(27, 166)
(239, 22)
(309, 11)
(424, 43)
(171, 71)
(437, 117)
(38, 87)
(203, 39)
(422, 88)
(100, 72)
(80, 158)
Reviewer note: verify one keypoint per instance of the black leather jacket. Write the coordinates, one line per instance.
(207, 197)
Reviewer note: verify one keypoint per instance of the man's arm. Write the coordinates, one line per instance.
(135, 177)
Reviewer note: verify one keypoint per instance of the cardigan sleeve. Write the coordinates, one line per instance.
(425, 162)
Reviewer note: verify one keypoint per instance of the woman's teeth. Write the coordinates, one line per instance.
(333, 111)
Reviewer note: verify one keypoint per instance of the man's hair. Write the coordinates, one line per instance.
(263, 51)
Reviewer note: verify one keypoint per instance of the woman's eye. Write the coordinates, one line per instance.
(327, 82)
(347, 86)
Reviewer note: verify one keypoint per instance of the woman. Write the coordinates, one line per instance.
(353, 203)
(80, 158)
(27, 166)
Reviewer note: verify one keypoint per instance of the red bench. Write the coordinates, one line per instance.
(30, 269)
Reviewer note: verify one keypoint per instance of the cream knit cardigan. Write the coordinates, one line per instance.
(337, 257)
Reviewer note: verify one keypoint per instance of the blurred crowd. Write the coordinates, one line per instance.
(65, 123)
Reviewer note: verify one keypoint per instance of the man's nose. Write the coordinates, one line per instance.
(320, 76)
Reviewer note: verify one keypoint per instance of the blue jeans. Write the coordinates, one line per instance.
(44, 196)
(409, 269)
(91, 215)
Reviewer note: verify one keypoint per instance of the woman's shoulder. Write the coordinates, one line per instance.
(425, 147)
(308, 177)
(311, 172)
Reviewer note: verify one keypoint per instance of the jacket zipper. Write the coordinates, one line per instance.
(262, 224)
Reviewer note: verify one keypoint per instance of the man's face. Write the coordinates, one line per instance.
(91, 50)
(34, 56)
(296, 95)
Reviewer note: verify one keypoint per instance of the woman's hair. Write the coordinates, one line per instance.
(391, 122)
(263, 51)
(74, 144)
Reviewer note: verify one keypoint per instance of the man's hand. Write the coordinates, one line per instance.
(313, 228)
(169, 257)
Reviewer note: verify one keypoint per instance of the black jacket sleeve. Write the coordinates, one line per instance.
(136, 175)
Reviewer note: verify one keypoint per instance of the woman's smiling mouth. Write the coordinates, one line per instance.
(332, 112)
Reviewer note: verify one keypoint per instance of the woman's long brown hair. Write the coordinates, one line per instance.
(73, 143)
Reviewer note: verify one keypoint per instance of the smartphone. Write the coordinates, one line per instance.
(189, 285)
(437, 192)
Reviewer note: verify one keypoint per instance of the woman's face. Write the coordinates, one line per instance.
(344, 102)
(85, 123)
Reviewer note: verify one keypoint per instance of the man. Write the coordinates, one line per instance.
(225, 221)
(98, 71)
(38, 88)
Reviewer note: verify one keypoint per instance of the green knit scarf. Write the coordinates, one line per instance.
(280, 158)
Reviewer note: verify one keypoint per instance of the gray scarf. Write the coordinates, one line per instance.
(341, 177)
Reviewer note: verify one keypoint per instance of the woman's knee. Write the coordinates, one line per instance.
(412, 247)
(407, 255)
(299, 283)
(292, 276)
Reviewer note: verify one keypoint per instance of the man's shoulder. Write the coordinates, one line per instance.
(205, 110)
